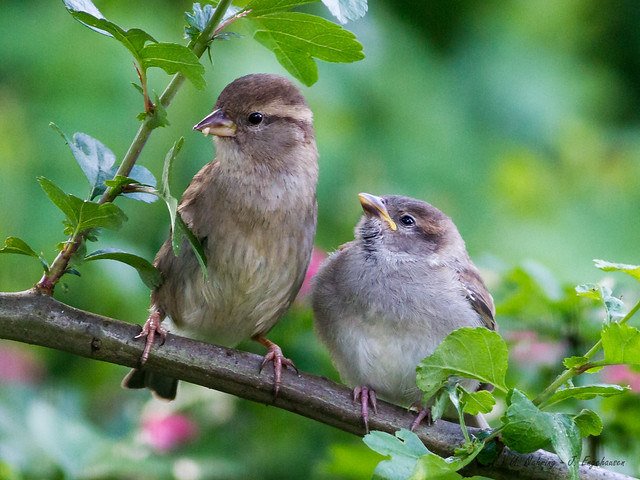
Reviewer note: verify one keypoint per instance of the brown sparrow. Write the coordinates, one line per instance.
(384, 301)
(254, 211)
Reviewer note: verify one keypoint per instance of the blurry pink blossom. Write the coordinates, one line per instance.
(528, 348)
(317, 257)
(18, 364)
(622, 375)
(166, 432)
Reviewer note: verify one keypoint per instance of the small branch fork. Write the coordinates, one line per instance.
(31, 317)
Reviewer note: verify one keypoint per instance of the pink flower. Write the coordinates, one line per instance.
(529, 349)
(623, 375)
(18, 364)
(166, 432)
(317, 257)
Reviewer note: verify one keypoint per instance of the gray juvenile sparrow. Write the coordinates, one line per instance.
(254, 210)
(384, 301)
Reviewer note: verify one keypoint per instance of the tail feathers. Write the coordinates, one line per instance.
(162, 386)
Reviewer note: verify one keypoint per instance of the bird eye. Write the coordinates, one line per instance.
(255, 118)
(407, 220)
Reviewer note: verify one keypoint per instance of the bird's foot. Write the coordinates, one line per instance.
(151, 327)
(279, 360)
(422, 414)
(366, 396)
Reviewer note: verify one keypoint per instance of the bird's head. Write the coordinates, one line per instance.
(401, 225)
(260, 116)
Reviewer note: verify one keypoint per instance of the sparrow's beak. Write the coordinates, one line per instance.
(374, 206)
(216, 123)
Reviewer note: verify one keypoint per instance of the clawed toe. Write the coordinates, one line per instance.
(151, 327)
(367, 396)
(279, 360)
(422, 414)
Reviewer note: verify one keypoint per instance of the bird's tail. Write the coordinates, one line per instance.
(162, 386)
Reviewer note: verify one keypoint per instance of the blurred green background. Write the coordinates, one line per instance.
(521, 120)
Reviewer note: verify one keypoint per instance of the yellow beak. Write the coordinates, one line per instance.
(374, 206)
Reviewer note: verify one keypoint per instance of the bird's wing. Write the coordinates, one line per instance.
(478, 296)
(188, 207)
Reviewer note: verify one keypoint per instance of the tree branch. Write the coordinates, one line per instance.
(31, 317)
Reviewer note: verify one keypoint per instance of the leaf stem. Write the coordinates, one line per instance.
(565, 376)
(59, 266)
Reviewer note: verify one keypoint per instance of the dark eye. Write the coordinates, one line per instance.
(407, 220)
(255, 118)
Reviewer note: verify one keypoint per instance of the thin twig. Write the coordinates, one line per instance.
(229, 21)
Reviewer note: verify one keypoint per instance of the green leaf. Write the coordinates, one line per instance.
(82, 214)
(83, 6)
(566, 441)
(345, 10)
(633, 270)
(586, 393)
(157, 118)
(74, 6)
(94, 158)
(18, 246)
(179, 229)
(440, 402)
(589, 290)
(120, 181)
(298, 64)
(297, 38)
(149, 274)
(405, 448)
(476, 353)
(86, 13)
(93, 215)
(451, 388)
(165, 193)
(433, 467)
(588, 422)
(138, 88)
(134, 39)
(571, 362)
(527, 428)
(59, 199)
(197, 21)
(614, 306)
(621, 343)
(481, 401)
(174, 58)
(263, 7)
